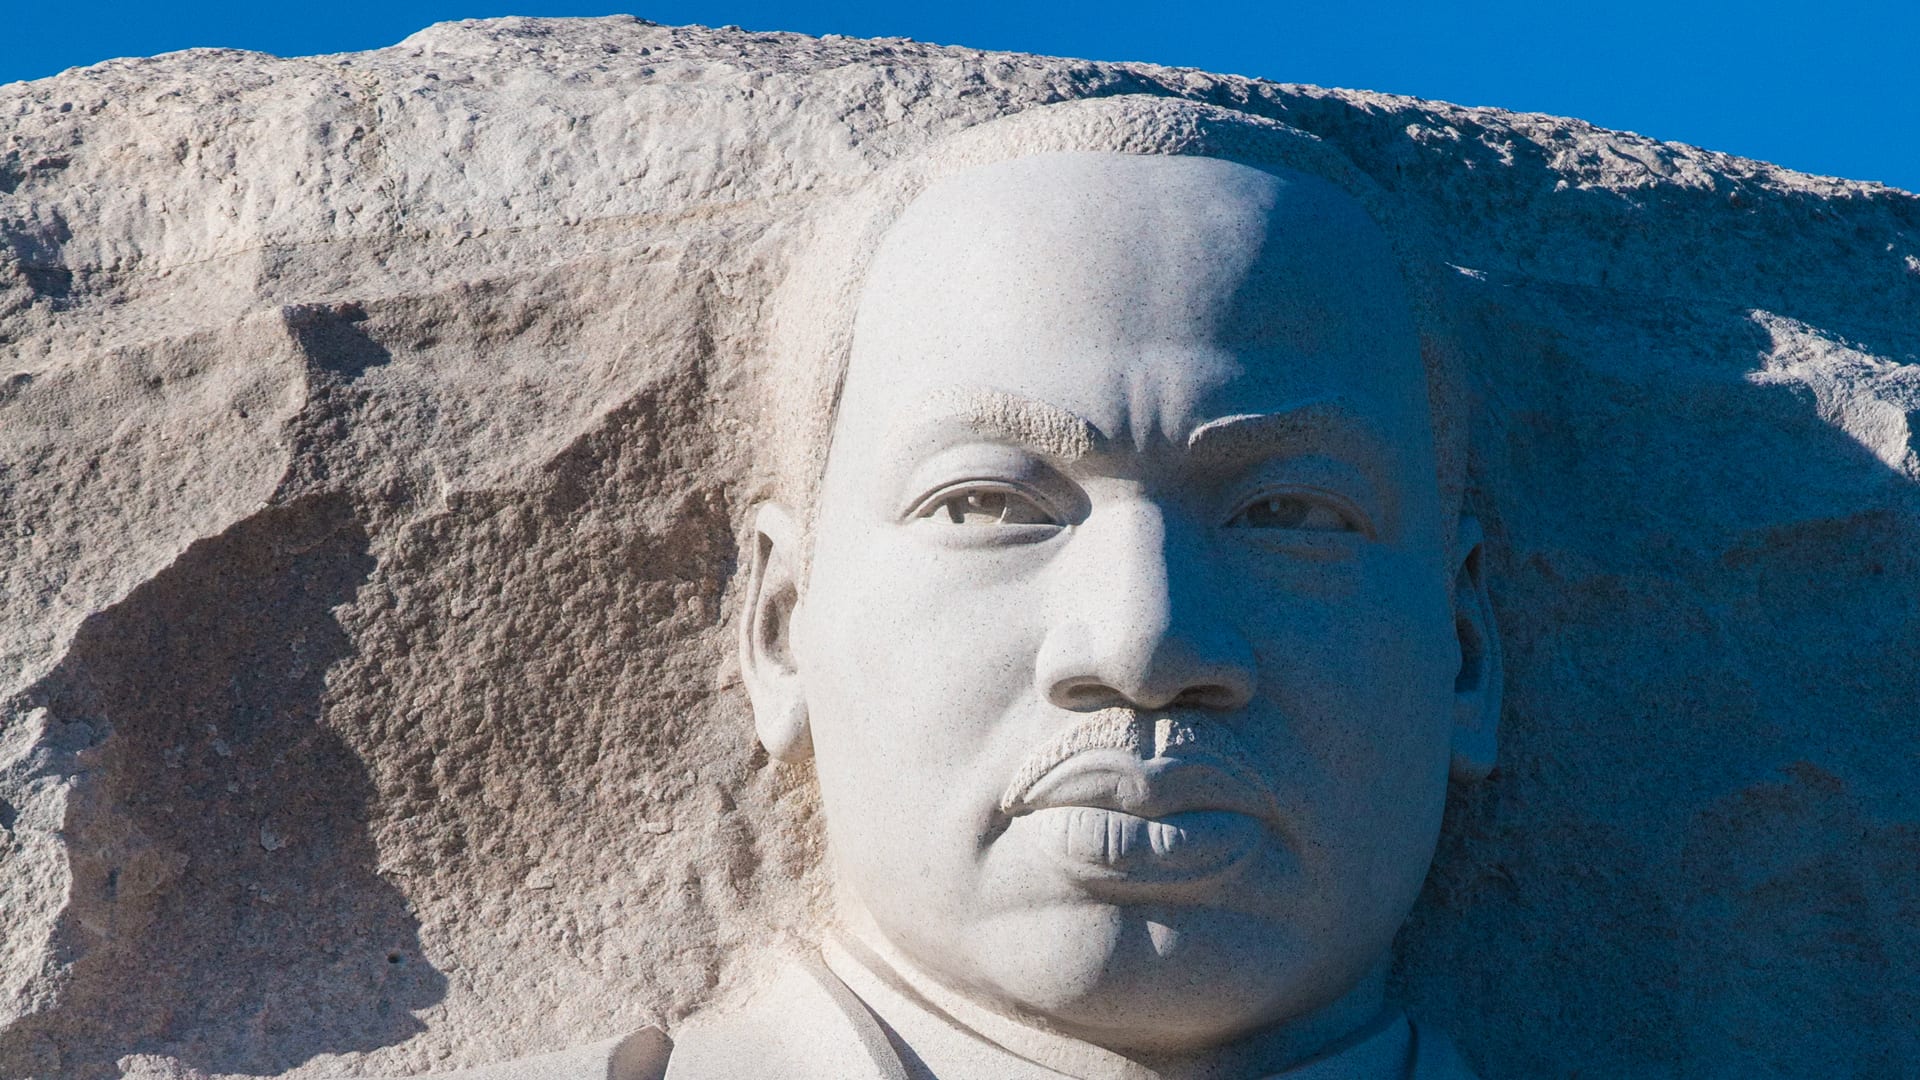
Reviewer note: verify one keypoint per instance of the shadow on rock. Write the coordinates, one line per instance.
(1697, 855)
(226, 910)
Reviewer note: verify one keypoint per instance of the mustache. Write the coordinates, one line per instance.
(1144, 734)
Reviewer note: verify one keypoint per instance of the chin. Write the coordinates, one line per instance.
(1150, 979)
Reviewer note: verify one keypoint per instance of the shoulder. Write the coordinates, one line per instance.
(803, 1023)
(639, 1056)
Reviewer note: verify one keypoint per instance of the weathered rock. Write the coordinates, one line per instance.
(374, 435)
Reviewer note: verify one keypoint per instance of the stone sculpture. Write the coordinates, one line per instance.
(384, 442)
(1123, 600)
(1129, 630)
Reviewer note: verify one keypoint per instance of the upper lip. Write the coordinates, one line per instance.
(1155, 787)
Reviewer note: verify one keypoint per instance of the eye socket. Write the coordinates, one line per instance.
(1295, 511)
(984, 505)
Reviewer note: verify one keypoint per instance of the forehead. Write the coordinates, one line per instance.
(1138, 292)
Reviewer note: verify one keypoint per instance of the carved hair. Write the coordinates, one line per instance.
(811, 330)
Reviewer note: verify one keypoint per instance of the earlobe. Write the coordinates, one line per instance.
(767, 660)
(1477, 688)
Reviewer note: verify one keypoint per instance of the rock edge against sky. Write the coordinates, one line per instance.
(374, 430)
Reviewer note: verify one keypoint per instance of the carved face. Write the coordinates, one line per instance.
(1131, 649)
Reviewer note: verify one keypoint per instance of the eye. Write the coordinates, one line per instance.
(1297, 511)
(982, 505)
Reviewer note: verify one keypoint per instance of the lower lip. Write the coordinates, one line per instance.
(1175, 847)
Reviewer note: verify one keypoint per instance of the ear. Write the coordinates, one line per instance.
(766, 635)
(1476, 690)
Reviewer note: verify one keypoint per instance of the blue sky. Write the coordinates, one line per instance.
(1827, 87)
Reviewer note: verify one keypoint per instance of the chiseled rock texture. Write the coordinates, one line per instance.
(374, 434)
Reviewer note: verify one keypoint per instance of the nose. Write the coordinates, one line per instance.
(1140, 621)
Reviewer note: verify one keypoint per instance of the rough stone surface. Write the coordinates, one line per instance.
(374, 435)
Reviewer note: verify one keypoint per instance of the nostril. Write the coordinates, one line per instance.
(1204, 697)
(1086, 694)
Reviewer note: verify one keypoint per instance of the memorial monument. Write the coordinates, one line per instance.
(581, 548)
(1128, 630)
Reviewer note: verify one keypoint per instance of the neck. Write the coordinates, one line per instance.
(947, 1034)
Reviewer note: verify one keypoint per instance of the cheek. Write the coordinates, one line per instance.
(1358, 711)
(1376, 631)
(910, 669)
(902, 630)
(1361, 693)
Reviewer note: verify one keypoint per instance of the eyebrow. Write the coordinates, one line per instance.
(1324, 423)
(997, 414)
(1059, 433)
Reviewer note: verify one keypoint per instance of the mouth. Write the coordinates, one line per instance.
(1108, 814)
(1101, 843)
(1166, 784)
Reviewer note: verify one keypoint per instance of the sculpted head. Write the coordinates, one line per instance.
(1133, 626)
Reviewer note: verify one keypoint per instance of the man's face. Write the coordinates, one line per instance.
(1128, 645)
